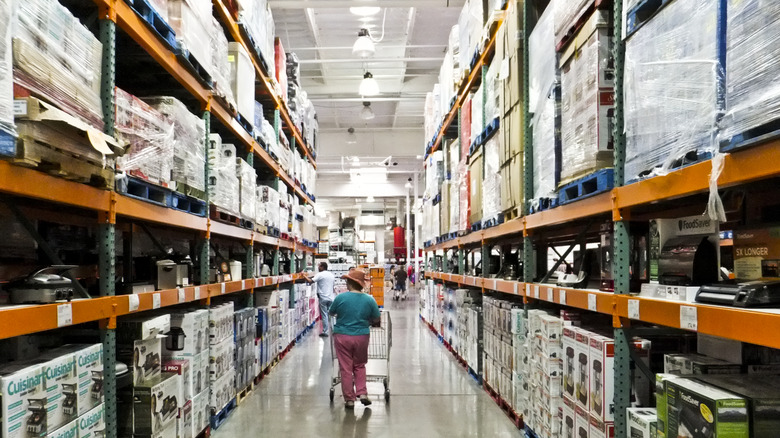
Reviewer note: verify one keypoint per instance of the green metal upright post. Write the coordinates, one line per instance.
(107, 230)
(461, 261)
(204, 247)
(486, 261)
(275, 270)
(621, 262)
(528, 153)
(292, 262)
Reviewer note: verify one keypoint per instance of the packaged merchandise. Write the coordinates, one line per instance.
(763, 396)
(221, 72)
(23, 401)
(136, 328)
(185, 425)
(201, 412)
(156, 404)
(191, 22)
(70, 430)
(143, 358)
(247, 179)
(581, 422)
(569, 419)
(222, 391)
(641, 422)
(702, 411)
(6, 78)
(194, 325)
(221, 358)
(89, 367)
(582, 369)
(93, 423)
(690, 364)
(242, 80)
(757, 254)
(62, 388)
(491, 182)
(184, 368)
(223, 178)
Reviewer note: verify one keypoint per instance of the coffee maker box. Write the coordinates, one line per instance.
(194, 325)
(156, 404)
(93, 423)
(641, 422)
(182, 367)
(601, 367)
(569, 361)
(23, 400)
(136, 328)
(569, 417)
(62, 387)
(143, 358)
(601, 429)
(70, 430)
(699, 410)
(757, 254)
(582, 368)
(581, 422)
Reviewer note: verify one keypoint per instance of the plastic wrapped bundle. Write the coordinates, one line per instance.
(257, 18)
(565, 13)
(149, 136)
(434, 174)
(189, 158)
(270, 201)
(544, 149)
(491, 182)
(455, 206)
(224, 187)
(541, 60)
(428, 115)
(587, 102)
(247, 180)
(242, 80)
(477, 113)
(753, 66)
(454, 48)
(464, 196)
(57, 57)
(464, 44)
(447, 82)
(672, 87)
(220, 71)
(6, 80)
(492, 92)
(191, 21)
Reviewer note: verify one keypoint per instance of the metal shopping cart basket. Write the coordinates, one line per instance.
(378, 366)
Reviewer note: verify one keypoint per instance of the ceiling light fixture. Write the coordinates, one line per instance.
(367, 113)
(351, 137)
(370, 199)
(364, 11)
(368, 86)
(363, 46)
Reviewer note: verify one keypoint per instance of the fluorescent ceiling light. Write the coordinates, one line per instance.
(368, 174)
(367, 113)
(368, 86)
(363, 46)
(408, 185)
(364, 11)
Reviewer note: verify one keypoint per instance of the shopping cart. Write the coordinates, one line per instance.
(380, 341)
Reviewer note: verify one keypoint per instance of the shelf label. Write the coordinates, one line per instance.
(633, 309)
(64, 315)
(243, 284)
(689, 319)
(592, 303)
(562, 296)
(516, 284)
(257, 282)
(528, 289)
(536, 291)
(550, 295)
(156, 301)
(494, 285)
(133, 302)
(222, 288)
(197, 292)
(182, 296)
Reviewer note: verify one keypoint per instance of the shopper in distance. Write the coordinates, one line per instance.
(400, 283)
(325, 281)
(355, 312)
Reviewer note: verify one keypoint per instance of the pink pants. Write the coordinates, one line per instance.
(352, 352)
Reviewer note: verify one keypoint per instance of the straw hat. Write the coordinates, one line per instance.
(356, 275)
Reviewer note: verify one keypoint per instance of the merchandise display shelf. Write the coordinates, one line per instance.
(265, 82)
(755, 326)
(43, 317)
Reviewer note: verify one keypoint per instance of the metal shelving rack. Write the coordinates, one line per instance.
(741, 167)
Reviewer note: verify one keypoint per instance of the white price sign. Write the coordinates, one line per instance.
(156, 301)
(257, 282)
(550, 295)
(689, 319)
(64, 315)
(222, 288)
(243, 284)
(516, 284)
(633, 309)
(133, 302)
(182, 296)
(527, 290)
(562, 295)
(494, 285)
(592, 303)
(536, 291)
(197, 292)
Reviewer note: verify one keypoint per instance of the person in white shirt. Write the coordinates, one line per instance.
(325, 281)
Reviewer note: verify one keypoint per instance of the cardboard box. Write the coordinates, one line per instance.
(689, 364)
(62, 387)
(156, 404)
(569, 417)
(23, 387)
(70, 430)
(221, 359)
(511, 175)
(201, 412)
(581, 422)
(93, 423)
(475, 186)
(661, 383)
(222, 391)
(582, 369)
(569, 361)
(242, 80)
(763, 396)
(186, 429)
(195, 325)
(704, 411)
(89, 368)
(136, 328)
(757, 254)
(641, 422)
(143, 358)
(601, 429)
(184, 369)
(602, 388)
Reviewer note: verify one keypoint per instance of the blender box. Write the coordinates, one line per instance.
(569, 417)
(201, 412)
(661, 381)
(156, 404)
(70, 430)
(582, 368)
(23, 400)
(698, 410)
(143, 359)
(602, 359)
(641, 422)
(62, 384)
(581, 422)
(135, 328)
(601, 429)
(93, 423)
(763, 396)
(182, 367)
(569, 361)
(194, 326)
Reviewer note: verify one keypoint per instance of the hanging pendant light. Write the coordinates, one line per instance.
(363, 46)
(351, 137)
(369, 85)
(367, 113)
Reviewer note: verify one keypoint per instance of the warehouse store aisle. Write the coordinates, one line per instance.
(432, 395)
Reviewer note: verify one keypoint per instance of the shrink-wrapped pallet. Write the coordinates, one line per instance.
(247, 180)
(6, 79)
(224, 187)
(491, 187)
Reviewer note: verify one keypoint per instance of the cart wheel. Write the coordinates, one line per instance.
(387, 395)
(332, 394)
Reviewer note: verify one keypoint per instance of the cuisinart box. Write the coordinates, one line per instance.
(89, 367)
(70, 430)
(699, 410)
(763, 396)
(156, 404)
(757, 254)
(642, 422)
(93, 423)
(61, 388)
(23, 400)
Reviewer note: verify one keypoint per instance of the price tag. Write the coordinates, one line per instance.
(536, 291)
(243, 284)
(222, 288)
(257, 282)
(516, 284)
(562, 295)
(550, 295)
(197, 292)
(592, 306)
(527, 289)
(689, 319)
(156, 301)
(633, 309)
(133, 302)
(64, 315)
(494, 285)
(182, 296)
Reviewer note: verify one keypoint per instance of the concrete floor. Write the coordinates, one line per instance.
(431, 395)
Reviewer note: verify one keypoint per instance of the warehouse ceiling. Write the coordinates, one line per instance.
(406, 65)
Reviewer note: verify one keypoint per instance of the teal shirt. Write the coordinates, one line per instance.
(354, 313)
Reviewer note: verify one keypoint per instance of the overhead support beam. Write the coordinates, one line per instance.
(364, 99)
(342, 4)
(383, 46)
(362, 61)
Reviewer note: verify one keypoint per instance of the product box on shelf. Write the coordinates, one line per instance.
(221, 359)
(602, 358)
(136, 328)
(89, 372)
(23, 401)
(582, 368)
(183, 368)
(156, 404)
(93, 423)
(642, 422)
(601, 429)
(143, 358)
(689, 364)
(62, 388)
(222, 391)
(201, 412)
(570, 366)
(194, 325)
(581, 422)
(661, 402)
(763, 396)
(185, 425)
(704, 411)
(70, 430)
(757, 253)
(475, 186)
(191, 22)
(242, 80)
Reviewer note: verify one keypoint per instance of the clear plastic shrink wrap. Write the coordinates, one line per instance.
(6, 80)
(455, 205)
(268, 203)
(224, 188)
(189, 133)
(149, 136)
(57, 57)
(753, 66)
(542, 103)
(565, 13)
(491, 186)
(454, 47)
(477, 113)
(672, 87)
(257, 18)
(493, 89)
(464, 196)
(220, 72)
(192, 21)
(428, 113)
(586, 111)
(247, 180)
(434, 174)
(242, 80)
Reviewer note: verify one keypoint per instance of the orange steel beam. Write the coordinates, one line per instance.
(43, 317)
(599, 204)
(20, 181)
(232, 231)
(137, 209)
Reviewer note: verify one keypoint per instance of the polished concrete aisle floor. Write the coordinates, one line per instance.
(431, 395)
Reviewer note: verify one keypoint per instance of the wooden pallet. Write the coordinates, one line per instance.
(146, 11)
(512, 213)
(188, 204)
(244, 394)
(218, 214)
(220, 417)
(597, 182)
